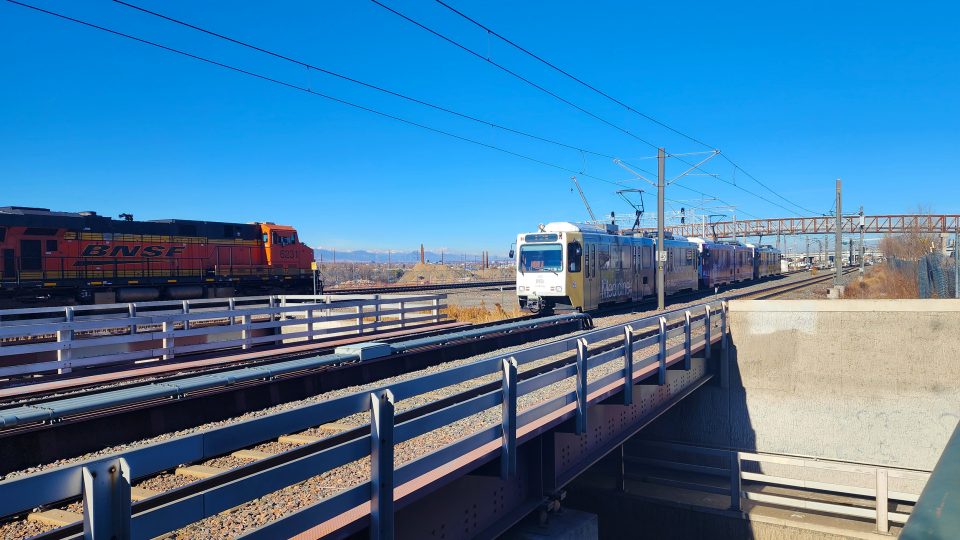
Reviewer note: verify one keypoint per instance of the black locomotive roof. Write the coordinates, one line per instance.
(24, 216)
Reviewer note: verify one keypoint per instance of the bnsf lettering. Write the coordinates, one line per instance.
(98, 250)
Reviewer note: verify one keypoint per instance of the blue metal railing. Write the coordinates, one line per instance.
(936, 516)
(107, 501)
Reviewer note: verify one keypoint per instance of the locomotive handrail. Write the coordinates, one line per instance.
(137, 336)
(149, 520)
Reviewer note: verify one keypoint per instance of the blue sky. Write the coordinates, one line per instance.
(797, 94)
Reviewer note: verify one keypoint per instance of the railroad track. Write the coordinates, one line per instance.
(208, 474)
(425, 287)
(89, 422)
(193, 478)
(778, 290)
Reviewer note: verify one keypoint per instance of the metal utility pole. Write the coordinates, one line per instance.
(838, 253)
(956, 264)
(583, 197)
(806, 254)
(862, 252)
(661, 253)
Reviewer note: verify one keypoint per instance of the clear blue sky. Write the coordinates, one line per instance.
(798, 94)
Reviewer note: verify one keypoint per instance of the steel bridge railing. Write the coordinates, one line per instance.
(104, 484)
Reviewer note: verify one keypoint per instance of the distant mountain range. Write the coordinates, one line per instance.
(362, 255)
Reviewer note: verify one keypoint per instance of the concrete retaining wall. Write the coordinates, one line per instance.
(870, 381)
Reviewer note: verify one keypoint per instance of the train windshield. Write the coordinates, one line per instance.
(541, 258)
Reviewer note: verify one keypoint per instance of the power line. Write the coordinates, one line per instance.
(360, 82)
(513, 73)
(615, 100)
(569, 75)
(308, 91)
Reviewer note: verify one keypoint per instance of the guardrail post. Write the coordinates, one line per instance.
(582, 368)
(883, 523)
(508, 456)
(735, 485)
(311, 328)
(376, 312)
(403, 314)
(131, 313)
(360, 319)
(662, 355)
(232, 306)
(724, 357)
(64, 337)
(627, 365)
(436, 310)
(706, 332)
(167, 329)
(186, 310)
(687, 342)
(106, 500)
(245, 333)
(381, 465)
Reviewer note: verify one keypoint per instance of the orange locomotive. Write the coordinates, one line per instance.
(95, 259)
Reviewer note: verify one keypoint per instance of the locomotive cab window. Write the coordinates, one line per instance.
(541, 258)
(574, 256)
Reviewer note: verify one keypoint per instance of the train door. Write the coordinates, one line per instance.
(31, 257)
(590, 282)
(9, 264)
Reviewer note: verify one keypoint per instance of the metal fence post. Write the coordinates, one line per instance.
(131, 313)
(628, 365)
(687, 342)
(381, 465)
(508, 457)
(403, 314)
(310, 326)
(245, 332)
(186, 310)
(106, 500)
(707, 323)
(64, 337)
(232, 306)
(167, 329)
(376, 312)
(582, 368)
(735, 486)
(360, 319)
(436, 310)
(662, 355)
(883, 523)
(724, 356)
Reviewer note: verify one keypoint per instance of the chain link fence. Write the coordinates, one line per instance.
(935, 274)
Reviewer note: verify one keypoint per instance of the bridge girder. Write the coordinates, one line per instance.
(892, 224)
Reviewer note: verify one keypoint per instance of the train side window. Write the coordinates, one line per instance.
(646, 257)
(51, 245)
(593, 259)
(265, 238)
(604, 258)
(574, 256)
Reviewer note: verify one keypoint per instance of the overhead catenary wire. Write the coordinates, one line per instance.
(628, 107)
(293, 86)
(365, 84)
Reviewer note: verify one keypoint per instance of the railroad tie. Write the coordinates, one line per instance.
(139, 493)
(199, 471)
(303, 438)
(56, 518)
(299, 439)
(252, 455)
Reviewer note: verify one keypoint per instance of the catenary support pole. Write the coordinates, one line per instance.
(838, 242)
(661, 253)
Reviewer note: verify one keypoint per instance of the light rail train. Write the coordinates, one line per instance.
(567, 266)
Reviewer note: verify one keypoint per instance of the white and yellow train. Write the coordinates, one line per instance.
(567, 266)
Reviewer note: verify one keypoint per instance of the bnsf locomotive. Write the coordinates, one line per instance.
(84, 257)
(571, 266)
